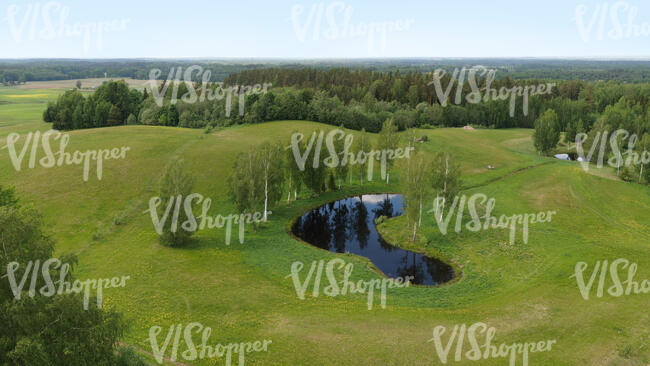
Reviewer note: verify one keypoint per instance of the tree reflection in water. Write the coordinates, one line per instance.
(347, 226)
(360, 224)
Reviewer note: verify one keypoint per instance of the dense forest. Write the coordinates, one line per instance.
(15, 71)
(355, 99)
(19, 71)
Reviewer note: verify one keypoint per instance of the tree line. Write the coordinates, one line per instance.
(14, 71)
(357, 100)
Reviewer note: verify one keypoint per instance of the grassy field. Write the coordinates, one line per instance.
(525, 291)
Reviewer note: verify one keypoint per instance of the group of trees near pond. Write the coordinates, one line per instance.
(265, 174)
(38, 329)
(427, 178)
(633, 119)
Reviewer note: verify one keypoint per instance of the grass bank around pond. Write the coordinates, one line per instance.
(525, 291)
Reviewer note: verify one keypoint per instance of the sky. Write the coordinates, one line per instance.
(324, 29)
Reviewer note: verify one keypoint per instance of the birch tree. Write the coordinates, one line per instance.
(446, 181)
(417, 182)
(341, 170)
(388, 140)
(292, 174)
(272, 174)
(361, 145)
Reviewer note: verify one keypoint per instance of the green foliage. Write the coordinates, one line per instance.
(42, 330)
(110, 105)
(257, 178)
(292, 172)
(445, 178)
(313, 177)
(417, 183)
(131, 120)
(128, 357)
(341, 170)
(361, 144)
(331, 184)
(380, 220)
(388, 140)
(8, 196)
(272, 173)
(547, 132)
(175, 183)
(571, 132)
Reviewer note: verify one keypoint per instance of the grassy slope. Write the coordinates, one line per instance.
(241, 290)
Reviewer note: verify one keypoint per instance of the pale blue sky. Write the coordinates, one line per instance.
(247, 28)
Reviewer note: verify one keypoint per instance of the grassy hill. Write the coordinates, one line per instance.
(525, 291)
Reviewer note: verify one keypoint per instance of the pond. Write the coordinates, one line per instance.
(348, 226)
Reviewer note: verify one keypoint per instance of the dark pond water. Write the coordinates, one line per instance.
(349, 226)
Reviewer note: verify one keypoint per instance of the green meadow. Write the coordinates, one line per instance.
(524, 290)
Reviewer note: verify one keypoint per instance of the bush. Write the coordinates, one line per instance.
(131, 120)
(629, 174)
(380, 220)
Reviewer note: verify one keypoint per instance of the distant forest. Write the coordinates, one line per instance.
(357, 100)
(16, 71)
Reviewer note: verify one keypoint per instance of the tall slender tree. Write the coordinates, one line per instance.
(547, 132)
(341, 170)
(361, 148)
(176, 185)
(292, 172)
(446, 180)
(417, 182)
(270, 162)
(388, 140)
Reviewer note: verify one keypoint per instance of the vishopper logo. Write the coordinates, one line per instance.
(200, 351)
(488, 350)
(61, 157)
(216, 91)
(616, 140)
(49, 21)
(603, 270)
(613, 22)
(53, 267)
(345, 157)
(190, 224)
(345, 286)
(333, 21)
(460, 76)
(487, 221)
